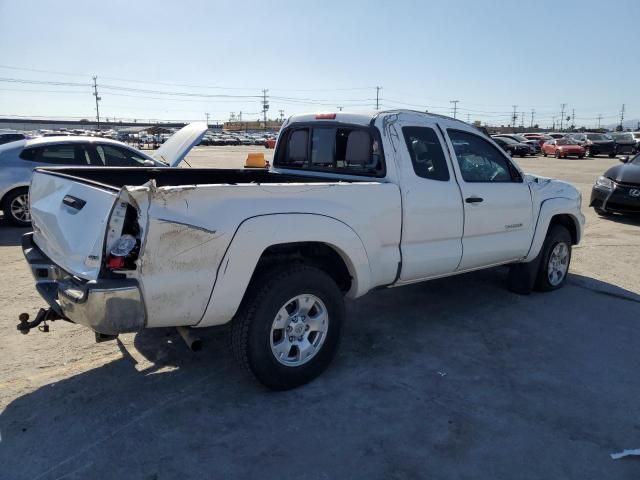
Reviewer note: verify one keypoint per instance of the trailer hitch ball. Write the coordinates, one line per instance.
(24, 323)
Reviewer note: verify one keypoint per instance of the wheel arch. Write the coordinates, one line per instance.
(12, 189)
(556, 211)
(260, 242)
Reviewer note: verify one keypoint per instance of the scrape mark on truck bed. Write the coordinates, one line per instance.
(164, 220)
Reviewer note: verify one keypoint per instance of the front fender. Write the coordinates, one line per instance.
(258, 233)
(549, 209)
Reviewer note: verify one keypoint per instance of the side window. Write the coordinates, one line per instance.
(64, 154)
(111, 156)
(479, 160)
(426, 153)
(340, 149)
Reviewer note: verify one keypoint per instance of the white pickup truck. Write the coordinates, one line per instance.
(352, 203)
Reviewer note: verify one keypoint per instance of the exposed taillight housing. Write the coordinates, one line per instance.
(123, 238)
(123, 253)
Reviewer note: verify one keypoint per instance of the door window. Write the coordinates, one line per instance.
(64, 154)
(479, 160)
(426, 153)
(111, 156)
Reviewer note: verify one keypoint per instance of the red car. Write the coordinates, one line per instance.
(270, 143)
(562, 148)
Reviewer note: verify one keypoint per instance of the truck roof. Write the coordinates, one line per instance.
(362, 118)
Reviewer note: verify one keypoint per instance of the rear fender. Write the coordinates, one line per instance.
(256, 234)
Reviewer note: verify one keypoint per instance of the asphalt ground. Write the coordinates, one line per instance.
(453, 378)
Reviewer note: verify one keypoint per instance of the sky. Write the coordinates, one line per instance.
(166, 60)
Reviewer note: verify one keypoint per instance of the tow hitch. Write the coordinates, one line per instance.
(41, 318)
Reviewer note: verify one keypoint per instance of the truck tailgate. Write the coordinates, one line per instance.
(70, 220)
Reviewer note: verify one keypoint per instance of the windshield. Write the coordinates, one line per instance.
(564, 141)
(519, 138)
(636, 134)
(596, 136)
(635, 160)
(506, 140)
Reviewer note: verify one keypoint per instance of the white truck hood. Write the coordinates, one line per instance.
(173, 151)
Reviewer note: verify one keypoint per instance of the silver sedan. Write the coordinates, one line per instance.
(19, 158)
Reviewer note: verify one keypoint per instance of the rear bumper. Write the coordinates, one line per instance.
(108, 306)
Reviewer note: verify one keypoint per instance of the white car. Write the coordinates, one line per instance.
(352, 203)
(19, 158)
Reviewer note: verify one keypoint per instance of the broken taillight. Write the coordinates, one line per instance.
(122, 254)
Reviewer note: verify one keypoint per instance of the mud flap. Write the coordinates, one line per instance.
(522, 276)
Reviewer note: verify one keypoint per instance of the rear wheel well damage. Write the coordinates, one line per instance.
(569, 223)
(316, 254)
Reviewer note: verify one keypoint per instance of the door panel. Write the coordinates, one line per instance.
(431, 203)
(498, 217)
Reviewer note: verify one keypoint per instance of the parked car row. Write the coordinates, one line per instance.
(564, 144)
(219, 139)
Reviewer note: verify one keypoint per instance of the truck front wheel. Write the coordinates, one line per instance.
(288, 327)
(555, 259)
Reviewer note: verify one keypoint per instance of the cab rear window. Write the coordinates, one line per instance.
(350, 150)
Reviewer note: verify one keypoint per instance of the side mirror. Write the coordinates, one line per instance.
(149, 163)
(624, 159)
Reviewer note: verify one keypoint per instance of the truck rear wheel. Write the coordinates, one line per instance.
(555, 258)
(288, 328)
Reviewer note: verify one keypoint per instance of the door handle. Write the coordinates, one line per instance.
(74, 202)
(474, 200)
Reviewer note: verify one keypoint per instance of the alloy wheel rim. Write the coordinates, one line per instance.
(20, 208)
(299, 330)
(558, 264)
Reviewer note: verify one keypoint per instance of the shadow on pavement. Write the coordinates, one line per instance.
(624, 219)
(10, 235)
(451, 378)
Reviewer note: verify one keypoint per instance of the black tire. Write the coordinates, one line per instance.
(10, 199)
(251, 328)
(588, 152)
(557, 234)
(581, 156)
(544, 154)
(611, 155)
(557, 154)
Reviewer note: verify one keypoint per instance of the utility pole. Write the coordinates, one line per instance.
(455, 107)
(599, 117)
(468, 118)
(207, 115)
(265, 106)
(562, 107)
(573, 119)
(522, 119)
(339, 108)
(622, 117)
(281, 112)
(533, 111)
(95, 94)
(378, 97)
(514, 116)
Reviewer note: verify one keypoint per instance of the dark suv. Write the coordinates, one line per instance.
(595, 144)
